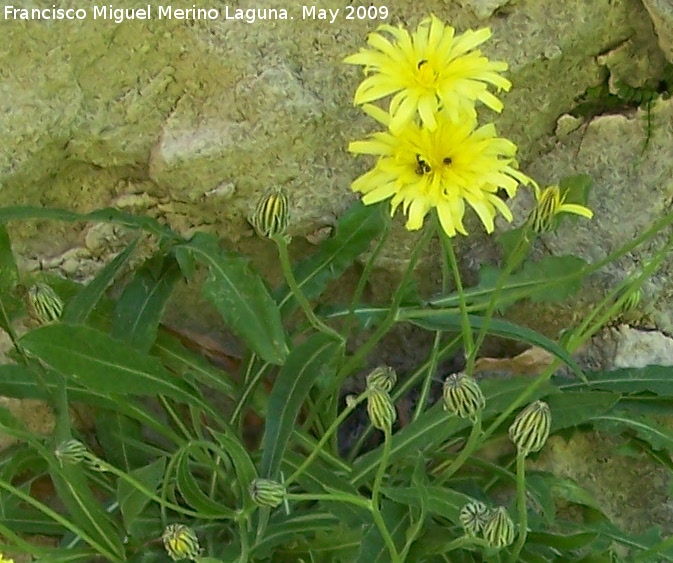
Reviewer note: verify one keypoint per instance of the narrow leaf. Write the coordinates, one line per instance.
(9, 278)
(79, 308)
(650, 379)
(92, 359)
(312, 360)
(356, 229)
(574, 408)
(373, 548)
(131, 501)
(139, 309)
(241, 298)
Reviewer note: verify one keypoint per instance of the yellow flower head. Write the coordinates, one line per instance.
(430, 69)
(443, 168)
(3, 560)
(550, 203)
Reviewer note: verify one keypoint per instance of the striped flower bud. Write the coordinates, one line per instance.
(71, 452)
(473, 517)
(181, 542)
(543, 217)
(265, 492)
(499, 530)
(530, 428)
(462, 396)
(43, 303)
(271, 216)
(383, 377)
(380, 409)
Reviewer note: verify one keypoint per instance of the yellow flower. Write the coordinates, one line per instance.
(430, 69)
(3, 560)
(549, 204)
(444, 168)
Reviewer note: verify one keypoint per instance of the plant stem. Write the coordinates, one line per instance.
(432, 367)
(286, 265)
(325, 437)
(376, 489)
(472, 441)
(521, 506)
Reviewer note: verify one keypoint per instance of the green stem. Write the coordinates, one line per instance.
(286, 265)
(376, 490)
(331, 497)
(250, 387)
(432, 367)
(521, 507)
(468, 338)
(325, 437)
(59, 519)
(473, 441)
(242, 521)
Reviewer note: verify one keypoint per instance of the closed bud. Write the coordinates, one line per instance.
(71, 452)
(473, 517)
(462, 396)
(499, 529)
(265, 492)
(383, 377)
(181, 542)
(380, 409)
(271, 215)
(43, 303)
(530, 428)
(543, 217)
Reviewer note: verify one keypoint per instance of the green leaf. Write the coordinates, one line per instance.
(141, 304)
(85, 510)
(243, 465)
(241, 298)
(441, 501)
(79, 308)
(313, 359)
(193, 494)
(576, 188)
(107, 215)
(630, 381)
(356, 229)
(131, 501)
(657, 436)
(115, 433)
(9, 278)
(438, 319)
(373, 548)
(92, 359)
(510, 240)
(571, 409)
(563, 542)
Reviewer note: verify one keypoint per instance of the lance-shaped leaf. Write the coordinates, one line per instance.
(241, 298)
(313, 359)
(94, 360)
(9, 277)
(356, 229)
(139, 309)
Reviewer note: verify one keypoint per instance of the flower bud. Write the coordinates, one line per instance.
(462, 396)
(265, 492)
(383, 377)
(71, 452)
(499, 530)
(271, 215)
(43, 303)
(380, 409)
(473, 517)
(530, 428)
(181, 542)
(543, 217)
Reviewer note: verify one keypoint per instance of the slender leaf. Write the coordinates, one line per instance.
(657, 436)
(94, 360)
(373, 548)
(649, 379)
(9, 278)
(312, 360)
(243, 465)
(241, 298)
(107, 215)
(79, 308)
(356, 229)
(116, 434)
(574, 408)
(141, 304)
(131, 501)
(441, 501)
(438, 319)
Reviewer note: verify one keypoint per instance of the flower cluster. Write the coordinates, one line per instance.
(433, 154)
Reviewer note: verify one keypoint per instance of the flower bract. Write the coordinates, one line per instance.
(444, 168)
(550, 202)
(426, 70)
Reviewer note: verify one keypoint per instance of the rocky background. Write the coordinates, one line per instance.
(190, 121)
